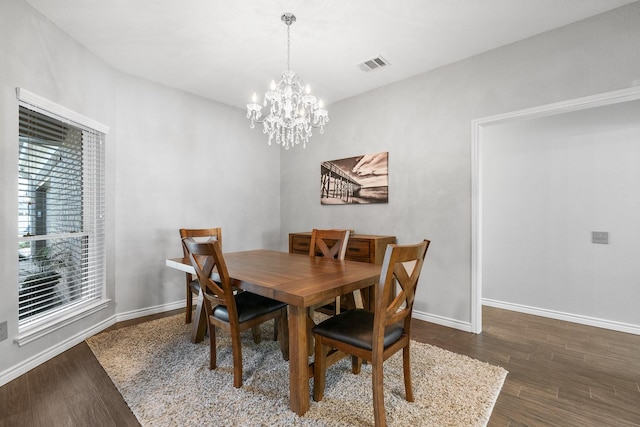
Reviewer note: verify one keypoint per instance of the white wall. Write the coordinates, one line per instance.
(173, 160)
(547, 184)
(425, 124)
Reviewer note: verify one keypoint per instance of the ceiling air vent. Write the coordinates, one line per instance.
(373, 64)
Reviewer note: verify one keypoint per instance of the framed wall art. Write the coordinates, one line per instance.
(355, 180)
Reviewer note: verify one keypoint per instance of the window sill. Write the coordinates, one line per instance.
(49, 324)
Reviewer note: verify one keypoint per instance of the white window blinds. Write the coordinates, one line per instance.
(61, 240)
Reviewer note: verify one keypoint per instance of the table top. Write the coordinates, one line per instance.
(292, 278)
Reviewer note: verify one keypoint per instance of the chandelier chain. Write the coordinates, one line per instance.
(288, 47)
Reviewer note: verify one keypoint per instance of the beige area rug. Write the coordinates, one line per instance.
(166, 381)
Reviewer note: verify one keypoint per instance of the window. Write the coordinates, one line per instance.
(61, 245)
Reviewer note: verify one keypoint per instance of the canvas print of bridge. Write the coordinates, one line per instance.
(355, 180)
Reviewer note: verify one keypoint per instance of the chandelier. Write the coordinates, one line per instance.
(293, 112)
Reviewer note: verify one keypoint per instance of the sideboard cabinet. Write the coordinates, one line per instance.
(360, 247)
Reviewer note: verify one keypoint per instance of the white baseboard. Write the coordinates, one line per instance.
(568, 317)
(443, 321)
(134, 314)
(25, 366)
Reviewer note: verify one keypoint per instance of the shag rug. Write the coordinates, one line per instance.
(166, 381)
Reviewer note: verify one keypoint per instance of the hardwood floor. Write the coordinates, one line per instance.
(560, 374)
(71, 390)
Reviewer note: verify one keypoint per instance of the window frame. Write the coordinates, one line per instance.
(58, 318)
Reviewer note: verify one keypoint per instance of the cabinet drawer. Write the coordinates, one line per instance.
(358, 250)
(300, 244)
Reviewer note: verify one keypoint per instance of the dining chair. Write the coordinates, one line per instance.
(232, 311)
(333, 244)
(374, 336)
(193, 286)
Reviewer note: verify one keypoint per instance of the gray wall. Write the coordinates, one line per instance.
(547, 184)
(184, 161)
(43, 60)
(425, 124)
(173, 160)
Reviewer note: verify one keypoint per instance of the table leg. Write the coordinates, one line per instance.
(298, 360)
(199, 322)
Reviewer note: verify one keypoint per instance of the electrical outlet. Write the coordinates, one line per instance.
(601, 237)
(4, 333)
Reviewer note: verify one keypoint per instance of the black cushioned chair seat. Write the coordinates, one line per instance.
(195, 286)
(355, 327)
(249, 306)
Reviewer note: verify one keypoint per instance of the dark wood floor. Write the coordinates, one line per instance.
(560, 374)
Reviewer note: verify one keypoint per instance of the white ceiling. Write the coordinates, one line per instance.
(227, 49)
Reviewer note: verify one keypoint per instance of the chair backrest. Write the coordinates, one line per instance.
(331, 243)
(211, 269)
(200, 235)
(402, 264)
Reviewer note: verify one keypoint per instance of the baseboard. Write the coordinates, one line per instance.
(134, 314)
(567, 317)
(38, 359)
(443, 321)
(25, 366)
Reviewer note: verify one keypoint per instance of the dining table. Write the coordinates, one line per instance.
(299, 280)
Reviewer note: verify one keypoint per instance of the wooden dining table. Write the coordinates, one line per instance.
(301, 281)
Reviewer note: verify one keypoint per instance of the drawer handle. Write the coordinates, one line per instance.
(354, 249)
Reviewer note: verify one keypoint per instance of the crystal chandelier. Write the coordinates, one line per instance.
(293, 112)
